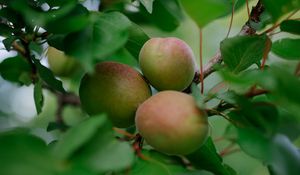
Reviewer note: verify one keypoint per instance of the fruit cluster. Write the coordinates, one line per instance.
(169, 121)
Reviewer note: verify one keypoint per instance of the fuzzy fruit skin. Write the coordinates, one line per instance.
(168, 63)
(171, 123)
(115, 89)
(61, 64)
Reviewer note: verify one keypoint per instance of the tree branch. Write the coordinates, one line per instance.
(247, 29)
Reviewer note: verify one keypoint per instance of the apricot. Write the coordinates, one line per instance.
(61, 64)
(168, 63)
(115, 89)
(171, 123)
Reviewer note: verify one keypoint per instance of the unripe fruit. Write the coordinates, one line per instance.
(168, 63)
(171, 123)
(61, 64)
(115, 89)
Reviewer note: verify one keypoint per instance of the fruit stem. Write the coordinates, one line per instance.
(266, 53)
(248, 10)
(125, 133)
(229, 150)
(231, 19)
(201, 61)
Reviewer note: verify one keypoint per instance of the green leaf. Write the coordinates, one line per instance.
(34, 15)
(241, 52)
(36, 48)
(291, 26)
(47, 75)
(279, 8)
(9, 15)
(205, 11)
(123, 56)
(148, 4)
(106, 34)
(5, 30)
(15, 69)
(136, 40)
(277, 152)
(24, 154)
(38, 96)
(263, 116)
(77, 136)
(166, 14)
(287, 48)
(157, 163)
(55, 3)
(207, 158)
(200, 99)
(74, 21)
(104, 153)
(8, 42)
(57, 41)
(93, 145)
(54, 126)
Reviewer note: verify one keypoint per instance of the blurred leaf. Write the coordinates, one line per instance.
(287, 48)
(8, 42)
(148, 4)
(166, 14)
(280, 7)
(92, 144)
(262, 116)
(15, 69)
(105, 153)
(54, 126)
(78, 170)
(74, 21)
(136, 40)
(9, 15)
(38, 96)
(47, 75)
(23, 154)
(55, 3)
(291, 26)
(198, 96)
(57, 41)
(277, 151)
(34, 14)
(106, 34)
(36, 48)
(123, 56)
(205, 11)
(157, 163)
(207, 158)
(5, 30)
(238, 52)
(77, 136)
(282, 85)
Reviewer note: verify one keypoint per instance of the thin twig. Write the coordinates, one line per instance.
(278, 23)
(63, 100)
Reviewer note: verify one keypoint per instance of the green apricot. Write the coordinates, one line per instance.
(115, 89)
(61, 64)
(171, 123)
(168, 63)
